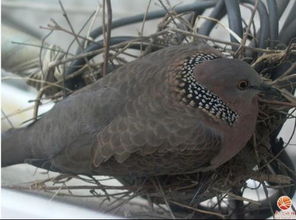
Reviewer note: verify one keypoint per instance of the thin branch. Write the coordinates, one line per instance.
(143, 23)
(237, 197)
(274, 102)
(164, 197)
(168, 12)
(198, 210)
(57, 27)
(240, 50)
(231, 32)
(224, 42)
(70, 24)
(267, 198)
(7, 118)
(287, 74)
(38, 187)
(107, 33)
(91, 25)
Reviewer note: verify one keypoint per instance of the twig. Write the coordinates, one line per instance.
(253, 22)
(75, 36)
(122, 203)
(117, 199)
(99, 184)
(107, 33)
(198, 210)
(267, 198)
(35, 107)
(42, 91)
(40, 7)
(281, 151)
(280, 186)
(171, 15)
(39, 46)
(286, 167)
(57, 27)
(274, 102)
(55, 194)
(237, 197)
(81, 48)
(164, 197)
(95, 52)
(37, 103)
(89, 196)
(168, 12)
(236, 205)
(71, 187)
(231, 32)
(287, 74)
(243, 41)
(51, 84)
(143, 23)
(224, 42)
(274, 178)
(70, 24)
(8, 120)
(21, 111)
(92, 24)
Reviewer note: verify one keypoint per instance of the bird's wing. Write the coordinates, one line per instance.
(82, 114)
(69, 130)
(143, 133)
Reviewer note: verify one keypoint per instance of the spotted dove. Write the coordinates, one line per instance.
(179, 110)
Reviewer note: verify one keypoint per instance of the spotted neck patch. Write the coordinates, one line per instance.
(198, 96)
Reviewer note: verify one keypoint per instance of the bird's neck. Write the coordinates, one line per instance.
(236, 137)
(195, 95)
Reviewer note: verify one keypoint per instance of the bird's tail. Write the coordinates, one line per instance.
(15, 146)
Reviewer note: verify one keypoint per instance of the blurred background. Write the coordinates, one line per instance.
(31, 17)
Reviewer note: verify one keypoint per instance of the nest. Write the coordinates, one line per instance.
(262, 166)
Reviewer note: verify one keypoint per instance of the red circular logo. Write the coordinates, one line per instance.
(284, 202)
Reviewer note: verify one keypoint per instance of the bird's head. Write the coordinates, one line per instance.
(223, 88)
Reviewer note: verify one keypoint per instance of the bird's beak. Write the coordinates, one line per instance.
(267, 89)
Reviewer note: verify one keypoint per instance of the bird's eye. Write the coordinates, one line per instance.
(242, 85)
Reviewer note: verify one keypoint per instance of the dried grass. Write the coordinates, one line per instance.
(224, 185)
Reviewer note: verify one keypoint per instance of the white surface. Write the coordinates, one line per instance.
(13, 100)
(24, 205)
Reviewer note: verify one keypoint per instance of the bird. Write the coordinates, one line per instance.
(181, 109)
